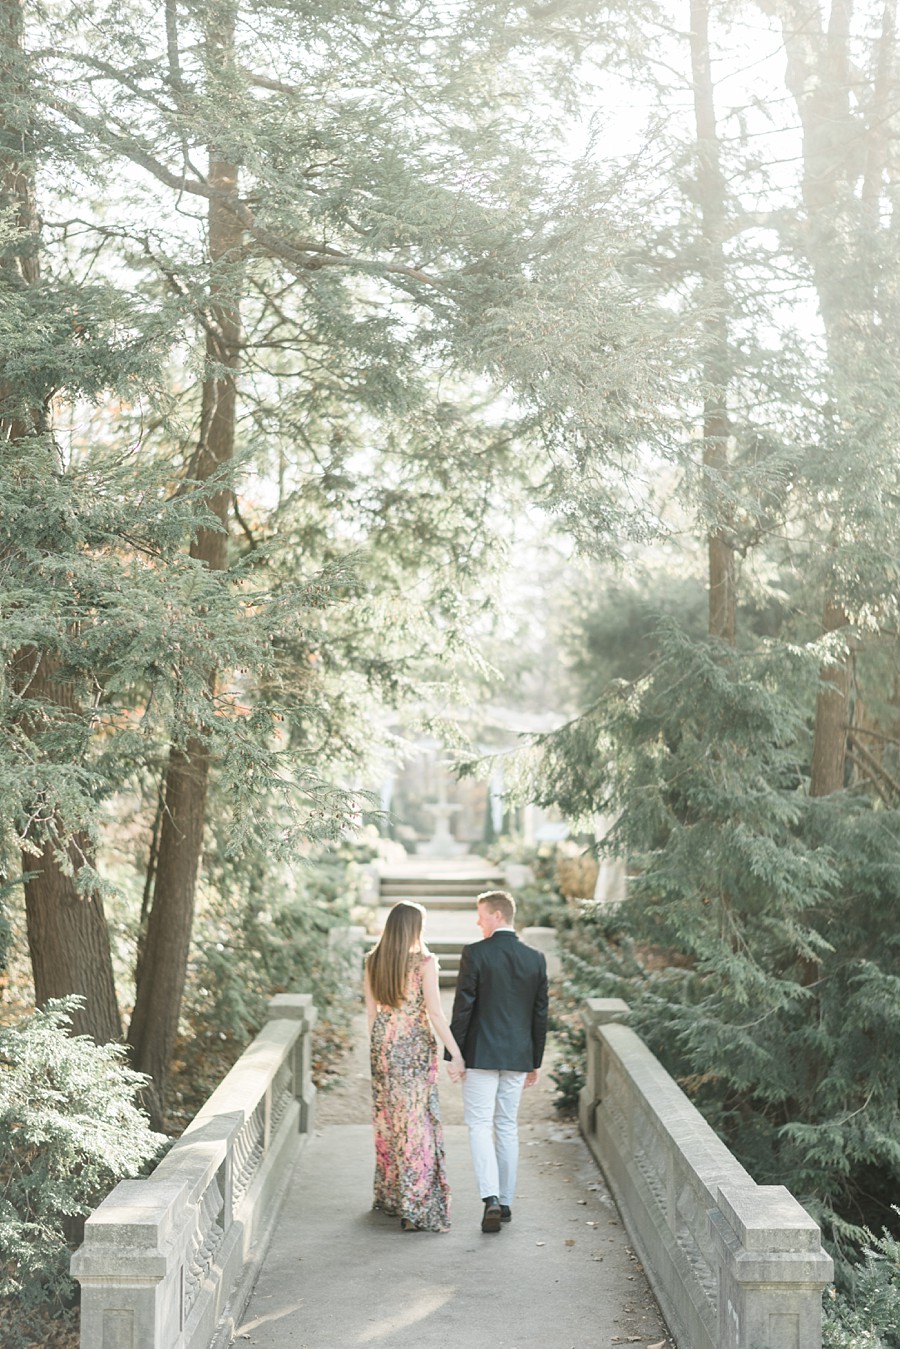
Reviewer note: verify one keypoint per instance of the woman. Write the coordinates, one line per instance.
(401, 987)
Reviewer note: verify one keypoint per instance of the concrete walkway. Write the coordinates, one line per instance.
(337, 1275)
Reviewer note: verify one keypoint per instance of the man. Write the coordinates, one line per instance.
(499, 1022)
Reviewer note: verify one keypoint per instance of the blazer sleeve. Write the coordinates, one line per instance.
(463, 1000)
(539, 1017)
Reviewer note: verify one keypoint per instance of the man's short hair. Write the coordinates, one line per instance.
(499, 901)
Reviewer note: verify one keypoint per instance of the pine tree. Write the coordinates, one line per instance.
(67, 933)
(383, 295)
(760, 963)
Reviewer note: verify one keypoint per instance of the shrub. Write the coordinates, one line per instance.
(69, 1131)
(868, 1315)
(258, 938)
(568, 1075)
(554, 873)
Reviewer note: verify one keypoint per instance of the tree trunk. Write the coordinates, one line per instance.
(836, 146)
(68, 938)
(711, 184)
(17, 185)
(163, 958)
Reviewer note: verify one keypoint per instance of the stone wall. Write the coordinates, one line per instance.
(733, 1264)
(167, 1262)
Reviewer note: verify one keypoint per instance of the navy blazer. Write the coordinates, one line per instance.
(500, 1009)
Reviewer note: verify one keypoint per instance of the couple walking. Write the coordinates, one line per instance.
(494, 1043)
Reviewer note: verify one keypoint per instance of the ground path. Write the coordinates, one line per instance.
(562, 1275)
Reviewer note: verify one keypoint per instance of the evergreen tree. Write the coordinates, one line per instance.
(67, 934)
(380, 294)
(761, 965)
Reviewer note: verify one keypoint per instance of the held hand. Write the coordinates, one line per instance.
(456, 1068)
(532, 1077)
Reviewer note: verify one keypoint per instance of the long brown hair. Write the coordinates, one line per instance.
(387, 964)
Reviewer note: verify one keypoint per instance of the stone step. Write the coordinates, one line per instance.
(405, 885)
(448, 954)
(444, 892)
(430, 901)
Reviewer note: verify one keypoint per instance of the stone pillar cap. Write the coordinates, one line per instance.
(602, 1011)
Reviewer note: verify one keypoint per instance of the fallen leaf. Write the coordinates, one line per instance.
(661, 1345)
(569, 1241)
(540, 1243)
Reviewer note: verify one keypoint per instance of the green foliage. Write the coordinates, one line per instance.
(598, 962)
(69, 1131)
(869, 1314)
(408, 261)
(268, 931)
(568, 1074)
(97, 576)
(539, 899)
(273, 936)
(612, 626)
(758, 947)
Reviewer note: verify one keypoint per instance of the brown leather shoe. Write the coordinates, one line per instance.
(490, 1222)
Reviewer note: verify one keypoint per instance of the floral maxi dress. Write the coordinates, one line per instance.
(410, 1176)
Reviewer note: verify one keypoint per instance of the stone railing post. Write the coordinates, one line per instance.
(596, 1012)
(131, 1293)
(136, 1285)
(544, 939)
(772, 1270)
(299, 1007)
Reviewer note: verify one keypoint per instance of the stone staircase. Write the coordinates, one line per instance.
(447, 890)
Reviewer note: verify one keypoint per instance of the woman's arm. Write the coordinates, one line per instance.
(431, 990)
(371, 1004)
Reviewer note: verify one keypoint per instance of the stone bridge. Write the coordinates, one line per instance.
(171, 1262)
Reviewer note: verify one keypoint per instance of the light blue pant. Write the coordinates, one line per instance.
(491, 1099)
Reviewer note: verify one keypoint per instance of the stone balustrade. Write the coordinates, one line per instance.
(167, 1262)
(733, 1264)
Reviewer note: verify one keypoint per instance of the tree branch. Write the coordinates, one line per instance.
(871, 779)
(875, 766)
(304, 254)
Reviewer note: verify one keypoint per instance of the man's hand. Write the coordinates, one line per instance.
(532, 1077)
